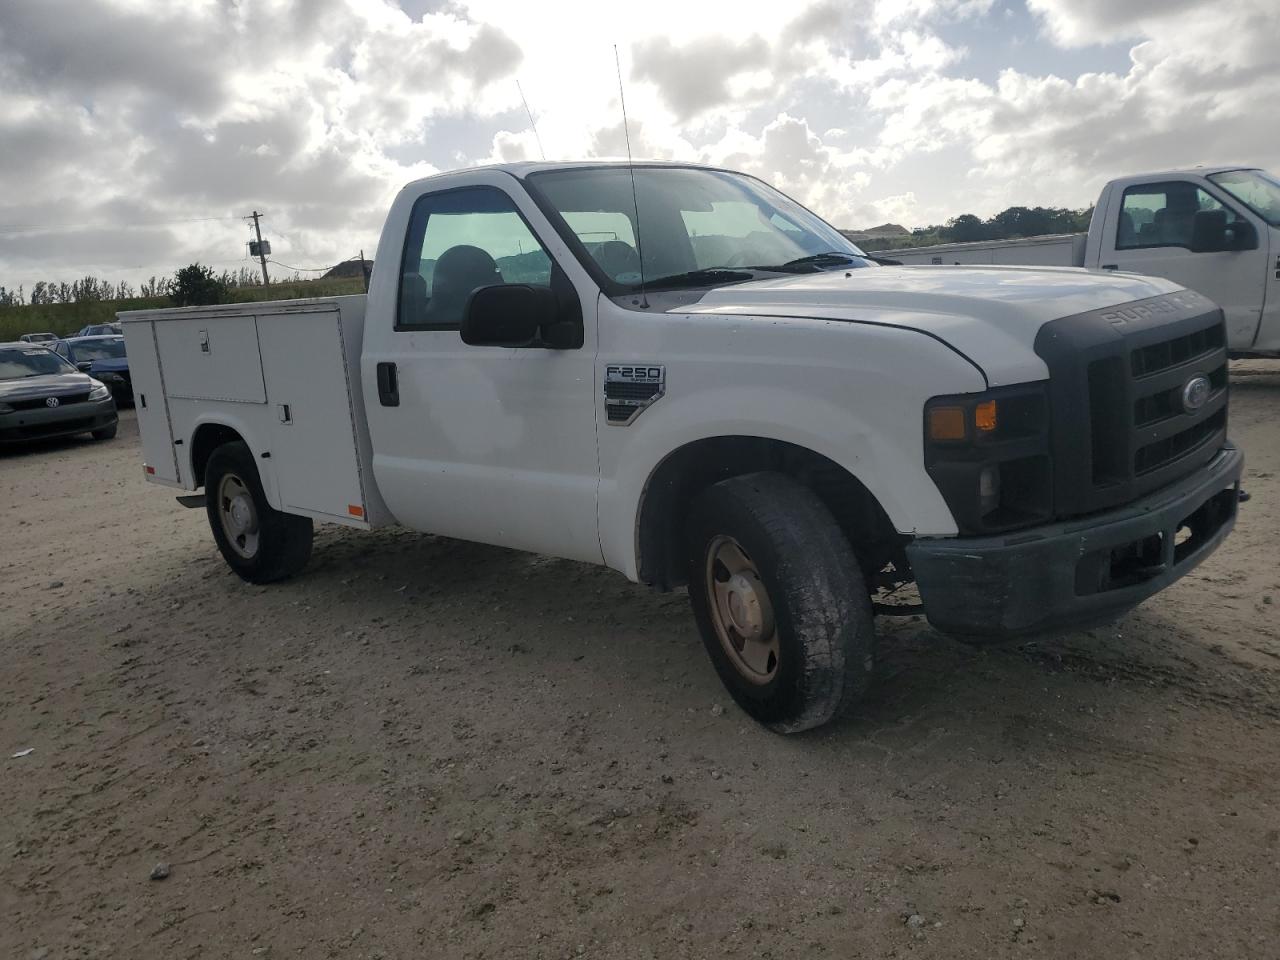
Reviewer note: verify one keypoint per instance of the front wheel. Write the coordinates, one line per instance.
(106, 433)
(780, 601)
(258, 542)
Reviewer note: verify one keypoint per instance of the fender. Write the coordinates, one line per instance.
(227, 418)
(887, 461)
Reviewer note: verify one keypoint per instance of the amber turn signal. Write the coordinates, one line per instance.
(984, 416)
(946, 423)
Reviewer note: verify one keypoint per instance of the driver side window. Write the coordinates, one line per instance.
(1163, 214)
(458, 241)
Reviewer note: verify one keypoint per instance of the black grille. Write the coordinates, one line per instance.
(1164, 452)
(1116, 381)
(54, 427)
(39, 403)
(1151, 359)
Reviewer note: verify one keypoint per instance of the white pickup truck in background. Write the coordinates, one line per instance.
(1215, 230)
(679, 373)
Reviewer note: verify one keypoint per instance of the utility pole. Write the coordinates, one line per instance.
(262, 251)
(364, 271)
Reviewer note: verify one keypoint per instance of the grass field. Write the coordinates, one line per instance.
(67, 318)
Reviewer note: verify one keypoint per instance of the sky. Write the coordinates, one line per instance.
(136, 134)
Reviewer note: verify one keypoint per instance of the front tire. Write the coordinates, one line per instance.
(780, 601)
(106, 433)
(259, 543)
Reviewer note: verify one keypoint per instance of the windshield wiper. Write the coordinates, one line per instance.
(830, 256)
(814, 260)
(697, 278)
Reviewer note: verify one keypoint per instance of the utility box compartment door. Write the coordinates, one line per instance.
(211, 358)
(313, 446)
(159, 457)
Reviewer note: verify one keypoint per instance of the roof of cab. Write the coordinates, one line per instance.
(523, 168)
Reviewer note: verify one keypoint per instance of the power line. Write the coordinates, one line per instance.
(315, 269)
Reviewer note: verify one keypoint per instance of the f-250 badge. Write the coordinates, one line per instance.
(631, 387)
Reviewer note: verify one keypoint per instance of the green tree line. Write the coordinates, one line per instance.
(1009, 224)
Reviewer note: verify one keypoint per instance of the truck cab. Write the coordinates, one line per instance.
(680, 373)
(1212, 230)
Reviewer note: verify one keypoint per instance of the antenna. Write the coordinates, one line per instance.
(644, 302)
(531, 123)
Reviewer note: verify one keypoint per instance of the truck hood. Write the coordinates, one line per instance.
(989, 314)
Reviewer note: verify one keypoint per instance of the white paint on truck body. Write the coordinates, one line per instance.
(511, 445)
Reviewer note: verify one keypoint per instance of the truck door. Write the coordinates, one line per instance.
(486, 443)
(1155, 233)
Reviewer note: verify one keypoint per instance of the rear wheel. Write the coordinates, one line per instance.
(780, 601)
(258, 542)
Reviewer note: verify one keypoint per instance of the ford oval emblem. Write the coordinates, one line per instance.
(52, 402)
(1195, 393)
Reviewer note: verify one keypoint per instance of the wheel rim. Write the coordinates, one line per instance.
(239, 516)
(741, 611)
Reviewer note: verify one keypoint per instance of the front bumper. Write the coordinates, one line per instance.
(65, 420)
(1079, 572)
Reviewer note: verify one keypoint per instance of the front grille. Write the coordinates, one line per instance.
(1149, 360)
(53, 427)
(1164, 452)
(1117, 378)
(39, 403)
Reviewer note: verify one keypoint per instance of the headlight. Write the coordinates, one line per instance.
(99, 391)
(989, 455)
(5, 408)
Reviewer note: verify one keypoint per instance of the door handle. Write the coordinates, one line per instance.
(388, 385)
(1110, 266)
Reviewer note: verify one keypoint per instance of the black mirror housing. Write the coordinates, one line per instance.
(84, 365)
(508, 315)
(1242, 235)
(1209, 231)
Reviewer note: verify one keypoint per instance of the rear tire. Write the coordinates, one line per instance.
(106, 433)
(259, 543)
(780, 601)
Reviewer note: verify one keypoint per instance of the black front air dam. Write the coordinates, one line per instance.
(1079, 572)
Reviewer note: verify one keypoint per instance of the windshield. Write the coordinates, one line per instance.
(1257, 190)
(691, 221)
(99, 349)
(16, 364)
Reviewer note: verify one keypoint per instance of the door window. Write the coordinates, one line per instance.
(1163, 214)
(460, 240)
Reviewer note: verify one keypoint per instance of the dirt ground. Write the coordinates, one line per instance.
(425, 748)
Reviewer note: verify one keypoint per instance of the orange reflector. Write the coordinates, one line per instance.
(149, 469)
(354, 510)
(984, 416)
(946, 423)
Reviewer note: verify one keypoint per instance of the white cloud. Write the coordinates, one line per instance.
(122, 115)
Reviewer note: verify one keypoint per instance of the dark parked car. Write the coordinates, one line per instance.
(103, 358)
(99, 330)
(42, 395)
(38, 338)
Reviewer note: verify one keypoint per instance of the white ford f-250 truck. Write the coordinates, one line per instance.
(1215, 230)
(727, 396)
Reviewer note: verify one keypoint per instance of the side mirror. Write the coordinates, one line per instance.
(1242, 235)
(507, 315)
(84, 365)
(1209, 231)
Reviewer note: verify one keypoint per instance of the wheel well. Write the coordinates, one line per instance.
(689, 470)
(208, 438)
